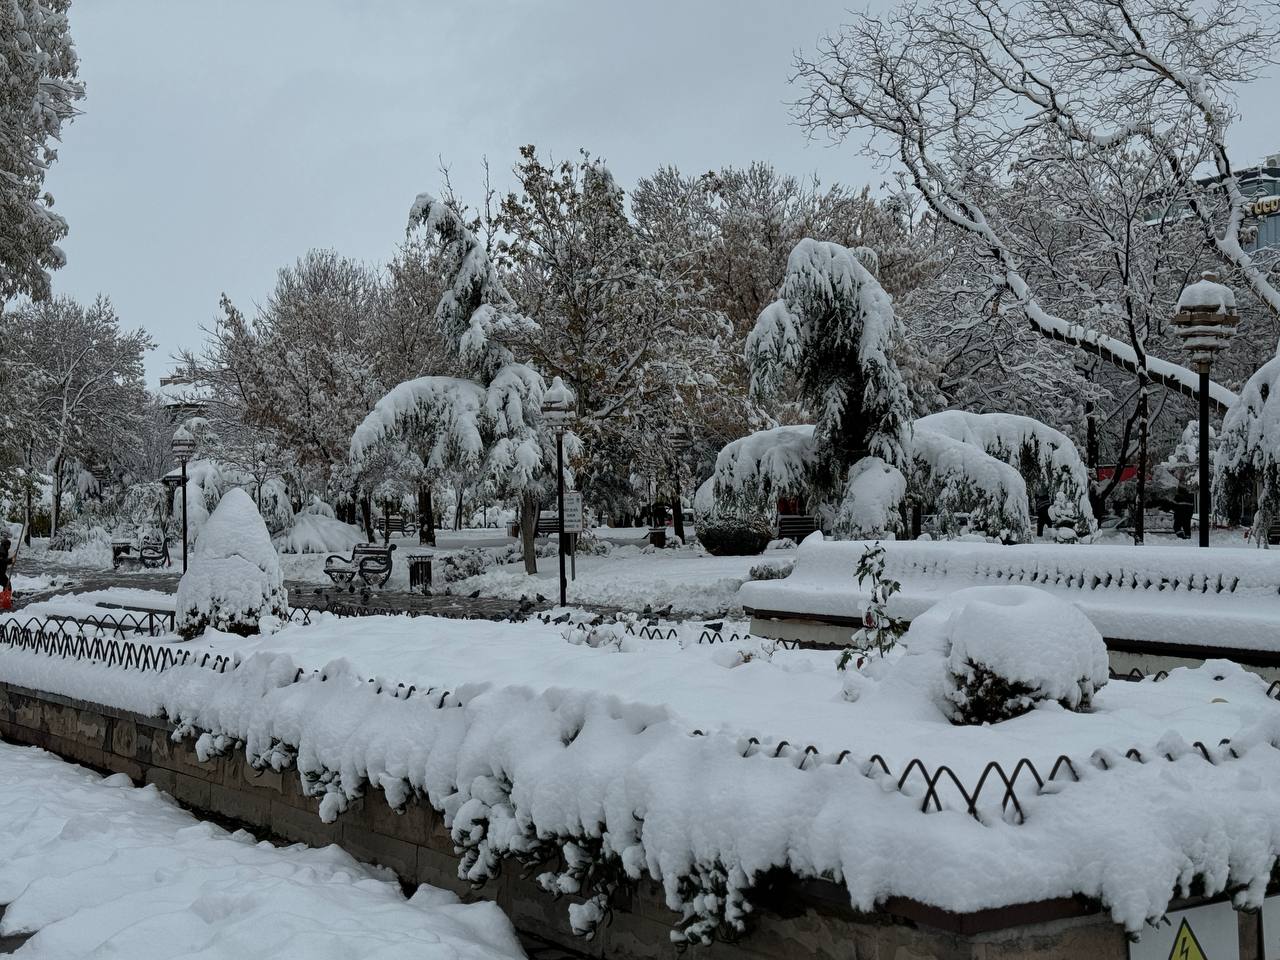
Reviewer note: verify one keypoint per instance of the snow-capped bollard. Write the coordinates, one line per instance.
(1008, 648)
(234, 579)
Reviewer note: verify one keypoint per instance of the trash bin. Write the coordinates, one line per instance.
(658, 536)
(420, 571)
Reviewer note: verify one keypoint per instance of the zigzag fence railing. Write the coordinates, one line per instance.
(936, 789)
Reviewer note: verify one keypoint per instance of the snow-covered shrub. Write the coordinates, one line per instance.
(315, 533)
(234, 577)
(80, 533)
(771, 570)
(1008, 648)
(466, 563)
(612, 636)
(872, 498)
(318, 508)
(730, 535)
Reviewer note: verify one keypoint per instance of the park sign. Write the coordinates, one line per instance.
(572, 511)
(1211, 932)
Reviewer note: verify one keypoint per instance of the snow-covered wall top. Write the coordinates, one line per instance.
(1227, 597)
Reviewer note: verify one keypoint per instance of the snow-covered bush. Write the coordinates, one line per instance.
(1247, 464)
(872, 497)
(466, 563)
(730, 535)
(1008, 648)
(315, 533)
(234, 577)
(772, 570)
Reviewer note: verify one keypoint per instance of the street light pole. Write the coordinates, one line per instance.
(1206, 491)
(564, 583)
(1205, 321)
(183, 446)
(558, 409)
(184, 514)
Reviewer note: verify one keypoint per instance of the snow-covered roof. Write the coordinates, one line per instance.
(173, 394)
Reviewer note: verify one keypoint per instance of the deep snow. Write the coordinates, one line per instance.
(99, 868)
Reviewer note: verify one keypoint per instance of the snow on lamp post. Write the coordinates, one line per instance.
(558, 411)
(183, 446)
(1205, 321)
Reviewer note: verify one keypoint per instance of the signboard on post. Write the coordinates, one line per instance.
(1210, 932)
(572, 511)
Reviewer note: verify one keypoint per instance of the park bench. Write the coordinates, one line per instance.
(1156, 607)
(151, 552)
(397, 524)
(371, 562)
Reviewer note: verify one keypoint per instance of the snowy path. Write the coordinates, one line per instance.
(98, 867)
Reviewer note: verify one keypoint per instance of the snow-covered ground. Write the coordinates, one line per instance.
(695, 584)
(97, 867)
(541, 736)
(745, 688)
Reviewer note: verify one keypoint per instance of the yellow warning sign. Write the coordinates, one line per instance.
(1185, 944)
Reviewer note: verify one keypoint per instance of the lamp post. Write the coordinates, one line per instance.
(183, 446)
(558, 411)
(1205, 321)
(680, 442)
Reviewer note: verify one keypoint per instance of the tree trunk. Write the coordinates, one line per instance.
(366, 516)
(55, 511)
(424, 512)
(457, 511)
(677, 512)
(431, 517)
(529, 531)
(1140, 498)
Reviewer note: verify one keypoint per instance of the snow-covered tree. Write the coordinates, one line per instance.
(88, 392)
(953, 477)
(965, 95)
(484, 423)
(833, 334)
(1248, 457)
(1034, 449)
(233, 579)
(37, 98)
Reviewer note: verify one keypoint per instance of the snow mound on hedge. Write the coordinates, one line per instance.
(234, 577)
(313, 533)
(1022, 639)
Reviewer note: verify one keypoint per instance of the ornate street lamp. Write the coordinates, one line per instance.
(559, 409)
(1206, 320)
(680, 443)
(183, 446)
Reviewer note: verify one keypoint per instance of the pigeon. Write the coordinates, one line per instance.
(473, 596)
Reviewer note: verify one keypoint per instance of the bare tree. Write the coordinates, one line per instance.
(958, 91)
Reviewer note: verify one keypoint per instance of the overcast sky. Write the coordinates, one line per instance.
(221, 140)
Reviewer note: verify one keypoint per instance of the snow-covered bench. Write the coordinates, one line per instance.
(1157, 607)
(371, 562)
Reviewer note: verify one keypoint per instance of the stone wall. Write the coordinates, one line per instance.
(809, 919)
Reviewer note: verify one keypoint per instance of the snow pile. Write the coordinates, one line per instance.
(98, 868)
(1225, 597)
(872, 498)
(315, 533)
(1009, 648)
(234, 577)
